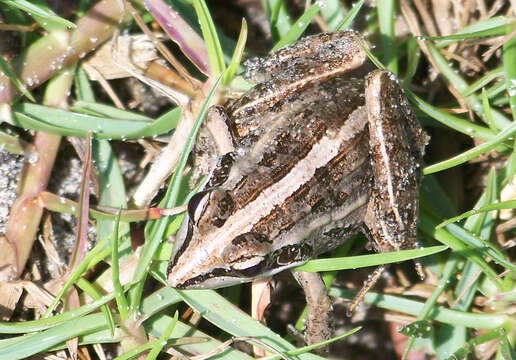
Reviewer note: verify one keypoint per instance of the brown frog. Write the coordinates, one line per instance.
(321, 152)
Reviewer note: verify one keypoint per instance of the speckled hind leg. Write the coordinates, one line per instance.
(396, 143)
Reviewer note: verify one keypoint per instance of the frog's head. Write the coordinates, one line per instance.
(216, 248)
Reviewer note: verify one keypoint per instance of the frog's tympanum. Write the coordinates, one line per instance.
(323, 150)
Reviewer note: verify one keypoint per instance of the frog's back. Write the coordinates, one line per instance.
(311, 160)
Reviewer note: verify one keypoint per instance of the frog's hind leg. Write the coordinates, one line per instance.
(396, 143)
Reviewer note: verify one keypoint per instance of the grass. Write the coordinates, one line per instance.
(470, 260)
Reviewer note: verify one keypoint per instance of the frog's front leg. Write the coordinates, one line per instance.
(217, 124)
(396, 143)
(214, 140)
(319, 324)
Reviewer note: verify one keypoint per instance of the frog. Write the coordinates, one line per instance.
(323, 148)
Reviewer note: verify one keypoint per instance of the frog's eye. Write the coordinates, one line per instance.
(293, 253)
(197, 204)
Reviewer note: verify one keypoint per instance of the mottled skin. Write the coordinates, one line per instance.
(320, 154)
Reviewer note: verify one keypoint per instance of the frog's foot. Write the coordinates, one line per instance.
(371, 281)
(368, 284)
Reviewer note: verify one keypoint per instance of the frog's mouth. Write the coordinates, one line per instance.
(222, 277)
(247, 269)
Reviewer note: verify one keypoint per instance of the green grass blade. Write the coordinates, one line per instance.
(158, 346)
(78, 123)
(347, 21)
(112, 192)
(440, 314)
(465, 351)
(496, 90)
(97, 109)
(121, 301)
(92, 292)
(484, 80)
(506, 349)
(237, 55)
(489, 27)
(152, 307)
(155, 230)
(66, 123)
(354, 262)
(94, 256)
(487, 111)
(478, 245)
(453, 77)
(297, 29)
(6, 69)
(138, 350)
(455, 240)
(505, 134)
(45, 323)
(480, 223)
(333, 13)
(305, 349)
(160, 126)
(157, 325)
(430, 303)
(413, 56)
(227, 317)
(511, 204)
(453, 337)
(211, 38)
(279, 19)
(386, 21)
(376, 62)
(451, 121)
(83, 88)
(34, 343)
(434, 195)
(13, 144)
(509, 68)
(41, 13)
